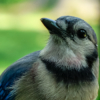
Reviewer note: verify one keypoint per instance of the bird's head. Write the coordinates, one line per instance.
(72, 41)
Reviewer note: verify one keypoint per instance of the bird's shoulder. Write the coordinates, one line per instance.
(14, 72)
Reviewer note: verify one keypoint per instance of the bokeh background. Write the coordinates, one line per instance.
(21, 31)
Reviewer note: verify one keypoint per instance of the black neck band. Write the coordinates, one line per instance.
(61, 73)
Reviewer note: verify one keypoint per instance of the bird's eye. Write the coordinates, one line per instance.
(81, 33)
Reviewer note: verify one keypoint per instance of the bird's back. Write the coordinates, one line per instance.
(14, 72)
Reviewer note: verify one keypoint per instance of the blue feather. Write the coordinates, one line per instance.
(13, 73)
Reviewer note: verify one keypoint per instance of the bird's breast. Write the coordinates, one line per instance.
(58, 90)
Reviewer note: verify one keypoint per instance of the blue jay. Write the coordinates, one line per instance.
(66, 69)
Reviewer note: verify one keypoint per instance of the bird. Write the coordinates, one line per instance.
(65, 69)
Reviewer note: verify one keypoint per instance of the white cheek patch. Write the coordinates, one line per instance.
(63, 56)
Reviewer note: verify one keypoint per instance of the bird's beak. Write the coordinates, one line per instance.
(50, 25)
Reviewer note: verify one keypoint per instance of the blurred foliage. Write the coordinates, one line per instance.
(16, 44)
(47, 4)
(44, 5)
(10, 1)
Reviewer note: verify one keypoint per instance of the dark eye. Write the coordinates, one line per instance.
(81, 33)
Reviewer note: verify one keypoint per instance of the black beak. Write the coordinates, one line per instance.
(50, 25)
